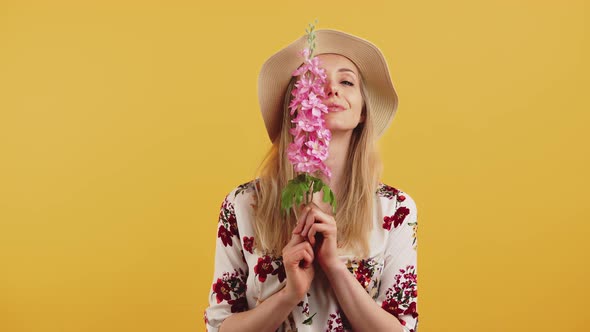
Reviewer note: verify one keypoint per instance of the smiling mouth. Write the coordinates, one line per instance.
(335, 108)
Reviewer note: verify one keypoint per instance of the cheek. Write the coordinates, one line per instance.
(357, 102)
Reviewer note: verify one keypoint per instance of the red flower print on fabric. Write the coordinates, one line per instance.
(305, 311)
(386, 191)
(364, 272)
(400, 212)
(225, 236)
(397, 218)
(231, 287)
(263, 268)
(304, 307)
(249, 244)
(338, 322)
(238, 305)
(400, 299)
(222, 290)
(228, 226)
(266, 266)
(280, 270)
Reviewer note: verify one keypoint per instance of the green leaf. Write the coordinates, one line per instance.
(286, 198)
(287, 195)
(309, 321)
(332, 198)
(303, 187)
(317, 186)
(298, 199)
(327, 195)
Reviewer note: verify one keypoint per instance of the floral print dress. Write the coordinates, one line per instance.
(242, 278)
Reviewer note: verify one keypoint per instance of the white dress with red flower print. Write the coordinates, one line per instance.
(242, 278)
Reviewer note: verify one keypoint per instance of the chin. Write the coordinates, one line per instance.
(338, 129)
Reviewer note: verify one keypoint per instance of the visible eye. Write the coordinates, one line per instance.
(349, 83)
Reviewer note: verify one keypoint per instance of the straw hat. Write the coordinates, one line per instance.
(276, 72)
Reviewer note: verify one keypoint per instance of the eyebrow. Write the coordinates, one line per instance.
(346, 69)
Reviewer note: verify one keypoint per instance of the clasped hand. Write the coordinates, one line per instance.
(314, 221)
(303, 248)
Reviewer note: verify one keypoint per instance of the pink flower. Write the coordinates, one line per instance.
(308, 164)
(315, 105)
(316, 69)
(304, 85)
(307, 122)
(305, 52)
(309, 148)
(311, 139)
(316, 148)
(324, 134)
(293, 151)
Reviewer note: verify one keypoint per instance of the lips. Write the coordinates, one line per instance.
(335, 107)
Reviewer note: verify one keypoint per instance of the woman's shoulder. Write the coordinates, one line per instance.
(388, 192)
(244, 193)
(395, 200)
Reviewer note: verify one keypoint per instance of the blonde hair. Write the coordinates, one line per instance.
(354, 213)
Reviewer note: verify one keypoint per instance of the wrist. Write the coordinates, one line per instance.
(287, 299)
(334, 268)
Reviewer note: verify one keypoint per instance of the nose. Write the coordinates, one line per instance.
(331, 88)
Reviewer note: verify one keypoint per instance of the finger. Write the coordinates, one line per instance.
(304, 246)
(293, 246)
(308, 258)
(309, 220)
(320, 217)
(304, 217)
(323, 217)
(301, 220)
(295, 239)
(298, 256)
(326, 230)
(307, 247)
(327, 213)
(305, 257)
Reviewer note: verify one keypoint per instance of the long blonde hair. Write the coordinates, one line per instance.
(354, 213)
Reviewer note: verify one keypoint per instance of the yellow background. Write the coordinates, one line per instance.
(123, 126)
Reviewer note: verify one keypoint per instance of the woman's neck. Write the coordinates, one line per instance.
(337, 161)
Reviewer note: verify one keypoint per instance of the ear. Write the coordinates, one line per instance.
(363, 116)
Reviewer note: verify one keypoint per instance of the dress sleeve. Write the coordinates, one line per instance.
(227, 294)
(398, 292)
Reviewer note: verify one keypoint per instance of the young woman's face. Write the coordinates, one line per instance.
(342, 89)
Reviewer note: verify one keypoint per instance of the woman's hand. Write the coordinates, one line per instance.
(298, 259)
(315, 221)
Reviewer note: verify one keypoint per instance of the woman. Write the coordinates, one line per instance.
(312, 270)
